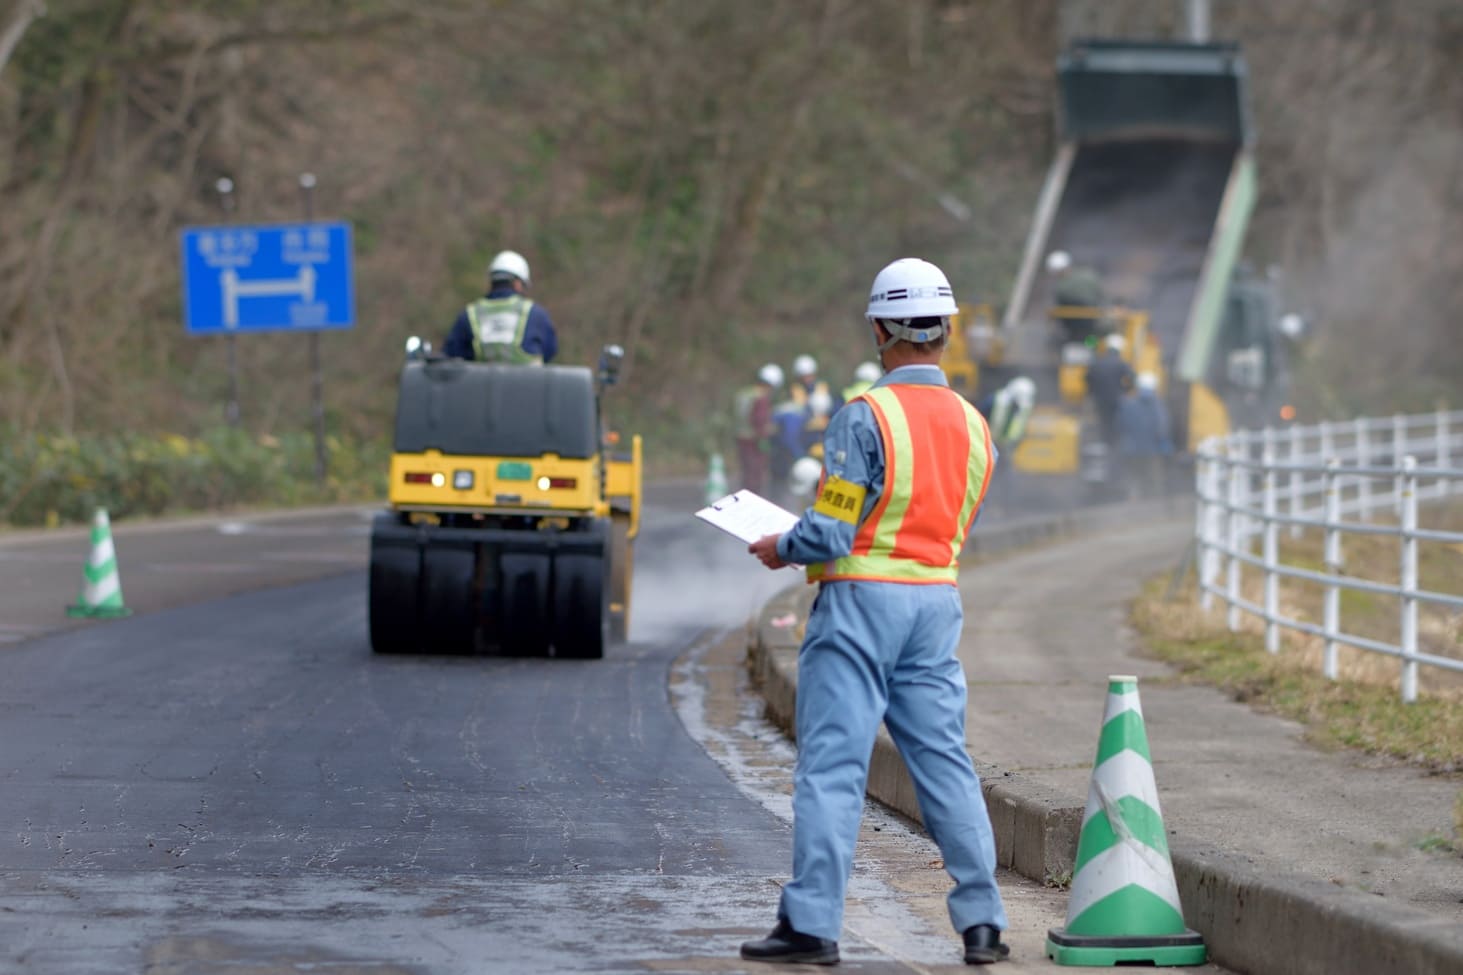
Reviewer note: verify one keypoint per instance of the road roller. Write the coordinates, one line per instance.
(513, 511)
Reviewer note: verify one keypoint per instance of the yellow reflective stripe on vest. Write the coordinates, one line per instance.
(902, 465)
(976, 480)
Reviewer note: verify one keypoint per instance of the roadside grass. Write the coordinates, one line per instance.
(1363, 708)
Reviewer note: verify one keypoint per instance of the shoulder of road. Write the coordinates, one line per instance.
(1288, 859)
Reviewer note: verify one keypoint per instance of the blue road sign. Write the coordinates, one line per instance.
(287, 276)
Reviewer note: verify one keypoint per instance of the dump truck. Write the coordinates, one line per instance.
(1152, 188)
(512, 512)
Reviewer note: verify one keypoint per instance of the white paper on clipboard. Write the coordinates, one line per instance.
(748, 516)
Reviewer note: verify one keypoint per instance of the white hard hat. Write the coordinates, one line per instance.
(1292, 325)
(1023, 389)
(771, 374)
(1058, 261)
(804, 365)
(907, 289)
(820, 402)
(868, 372)
(1147, 380)
(509, 264)
(803, 478)
(1116, 342)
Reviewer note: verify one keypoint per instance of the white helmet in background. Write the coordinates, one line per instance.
(804, 365)
(820, 402)
(509, 264)
(1147, 380)
(1116, 342)
(908, 289)
(868, 372)
(771, 374)
(802, 480)
(1058, 261)
(1023, 390)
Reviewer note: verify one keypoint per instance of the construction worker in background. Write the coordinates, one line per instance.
(1109, 378)
(802, 480)
(1144, 441)
(905, 468)
(752, 416)
(787, 441)
(504, 325)
(864, 377)
(1074, 287)
(815, 398)
(1008, 410)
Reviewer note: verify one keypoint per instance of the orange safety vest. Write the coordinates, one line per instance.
(937, 465)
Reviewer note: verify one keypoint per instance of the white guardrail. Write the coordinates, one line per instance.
(1252, 483)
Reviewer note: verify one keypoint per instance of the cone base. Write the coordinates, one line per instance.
(1104, 952)
(98, 612)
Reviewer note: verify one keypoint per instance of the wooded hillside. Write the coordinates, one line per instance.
(712, 184)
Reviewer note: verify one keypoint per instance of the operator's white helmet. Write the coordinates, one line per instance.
(1023, 389)
(771, 374)
(1147, 380)
(509, 264)
(820, 402)
(1116, 342)
(802, 480)
(804, 365)
(868, 372)
(1058, 261)
(908, 289)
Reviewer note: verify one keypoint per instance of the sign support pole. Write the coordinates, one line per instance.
(317, 377)
(225, 188)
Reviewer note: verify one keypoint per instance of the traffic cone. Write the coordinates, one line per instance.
(1124, 907)
(101, 590)
(716, 488)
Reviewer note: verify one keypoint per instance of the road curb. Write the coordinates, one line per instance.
(1253, 921)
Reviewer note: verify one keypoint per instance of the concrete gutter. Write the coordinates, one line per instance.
(1252, 920)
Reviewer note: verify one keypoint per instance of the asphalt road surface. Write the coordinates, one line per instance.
(230, 781)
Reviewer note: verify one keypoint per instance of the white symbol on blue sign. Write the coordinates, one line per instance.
(291, 276)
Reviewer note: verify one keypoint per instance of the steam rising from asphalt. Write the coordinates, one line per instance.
(700, 577)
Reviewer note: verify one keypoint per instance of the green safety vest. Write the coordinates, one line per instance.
(742, 405)
(1008, 422)
(498, 325)
(856, 388)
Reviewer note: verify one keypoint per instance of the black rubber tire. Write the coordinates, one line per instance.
(622, 571)
(392, 597)
(579, 606)
(525, 606)
(449, 617)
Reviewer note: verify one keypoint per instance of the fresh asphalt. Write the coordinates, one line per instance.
(230, 779)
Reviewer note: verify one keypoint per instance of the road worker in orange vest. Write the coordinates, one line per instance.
(905, 468)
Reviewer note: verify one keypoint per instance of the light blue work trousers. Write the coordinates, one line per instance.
(880, 650)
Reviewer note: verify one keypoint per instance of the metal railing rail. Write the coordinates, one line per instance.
(1330, 470)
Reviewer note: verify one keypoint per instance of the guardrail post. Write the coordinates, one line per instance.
(1204, 519)
(1331, 606)
(1409, 580)
(1232, 536)
(1363, 483)
(1399, 450)
(1443, 437)
(1272, 545)
(1296, 480)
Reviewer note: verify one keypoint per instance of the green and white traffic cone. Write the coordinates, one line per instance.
(716, 487)
(1124, 907)
(101, 589)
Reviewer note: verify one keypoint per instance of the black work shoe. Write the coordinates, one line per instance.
(785, 944)
(983, 945)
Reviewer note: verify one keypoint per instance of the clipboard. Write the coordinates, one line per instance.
(748, 516)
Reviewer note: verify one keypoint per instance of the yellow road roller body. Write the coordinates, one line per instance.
(512, 515)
